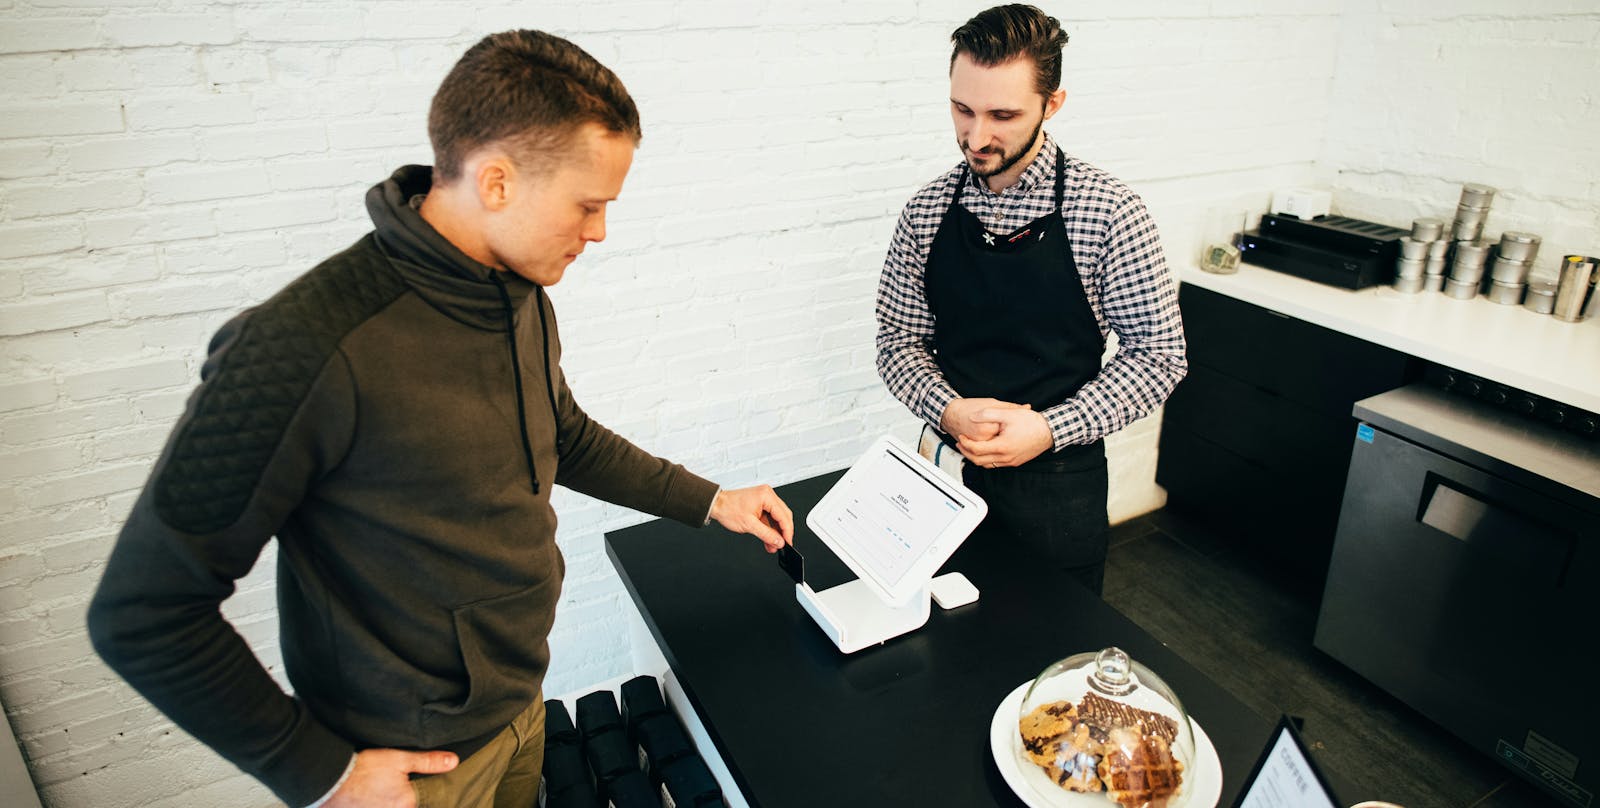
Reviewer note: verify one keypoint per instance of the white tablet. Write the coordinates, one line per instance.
(893, 518)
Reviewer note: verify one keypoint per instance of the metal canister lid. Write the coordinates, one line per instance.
(1518, 236)
(1438, 249)
(1427, 229)
(1476, 195)
(1409, 267)
(1412, 248)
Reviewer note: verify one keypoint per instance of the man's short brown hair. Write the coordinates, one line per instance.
(528, 90)
(1003, 33)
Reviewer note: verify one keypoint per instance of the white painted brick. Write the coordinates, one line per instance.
(46, 34)
(180, 112)
(13, 597)
(161, 408)
(44, 460)
(330, 172)
(31, 76)
(27, 394)
(52, 199)
(155, 226)
(244, 143)
(121, 381)
(275, 23)
(367, 134)
(76, 585)
(234, 65)
(281, 210)
(129, 152)
(92, 270)
(193, 184)
(53, 314)
(137, 444)
(19, 566)
(77, 553)
(417, 20)
(64, 422)
(224, 254)
(177, 297)
(88, 485)
(22, 160)
(147, 30)
(57, 119)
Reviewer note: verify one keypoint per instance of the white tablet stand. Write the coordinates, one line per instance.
(854, 617)
(875, 607)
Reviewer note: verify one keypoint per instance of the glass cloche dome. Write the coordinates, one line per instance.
(1098, 728)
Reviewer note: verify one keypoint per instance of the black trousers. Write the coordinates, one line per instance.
(1049, 512)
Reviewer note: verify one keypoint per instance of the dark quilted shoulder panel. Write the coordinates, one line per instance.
(245, 408)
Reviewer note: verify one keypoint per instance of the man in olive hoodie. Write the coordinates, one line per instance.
(396, 417)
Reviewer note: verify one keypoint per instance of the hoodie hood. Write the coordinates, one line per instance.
(446, 277)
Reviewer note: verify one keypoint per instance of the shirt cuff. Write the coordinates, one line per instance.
(349, 767)
(938, 400)
(712, 504)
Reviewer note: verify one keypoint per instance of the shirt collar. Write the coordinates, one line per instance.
(1041, 170)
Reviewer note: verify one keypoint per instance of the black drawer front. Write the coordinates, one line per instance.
(1278, 434)
(1319, 368)
(1277, 514)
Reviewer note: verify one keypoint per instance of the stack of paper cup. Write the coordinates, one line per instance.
(1466, 271)
(1472, 212)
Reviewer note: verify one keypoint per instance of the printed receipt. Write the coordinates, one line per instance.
(896, 518)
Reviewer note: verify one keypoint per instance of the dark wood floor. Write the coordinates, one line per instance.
(1251, 632)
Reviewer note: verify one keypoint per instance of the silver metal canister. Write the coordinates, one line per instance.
(1476, 195)
(1468, 268)
(1575, 287)
(1409, 285)
(1472, 216)
(1466, 231)
(1432, 283)
(1460, 290)
(1408, 268)
(1411, 248)
(1519, 246)
(1506, 294)
(1427, 229)
(1541, 297)
(1438, 249)
(1508, 271)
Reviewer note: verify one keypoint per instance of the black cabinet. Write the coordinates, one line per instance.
(1257, 437)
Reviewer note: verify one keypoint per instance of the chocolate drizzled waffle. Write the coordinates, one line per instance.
(1102, 712)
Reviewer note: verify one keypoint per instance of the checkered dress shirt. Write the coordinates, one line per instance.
(1124, 274)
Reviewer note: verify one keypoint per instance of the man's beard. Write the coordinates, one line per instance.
(1006, 160)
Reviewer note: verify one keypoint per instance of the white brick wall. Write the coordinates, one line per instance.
(165, 163)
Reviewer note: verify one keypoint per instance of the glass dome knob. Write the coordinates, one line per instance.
(1113, 673)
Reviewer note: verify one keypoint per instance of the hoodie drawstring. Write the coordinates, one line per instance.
(516, 370)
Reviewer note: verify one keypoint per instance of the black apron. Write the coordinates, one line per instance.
(1011, 320)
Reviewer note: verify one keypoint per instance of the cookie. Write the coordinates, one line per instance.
(1042, 726)
(1139, 771)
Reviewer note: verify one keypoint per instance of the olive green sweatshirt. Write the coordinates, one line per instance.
(396, 418)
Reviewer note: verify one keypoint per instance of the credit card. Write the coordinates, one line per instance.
(793, 563)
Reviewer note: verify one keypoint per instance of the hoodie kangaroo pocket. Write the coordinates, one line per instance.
(502, 642)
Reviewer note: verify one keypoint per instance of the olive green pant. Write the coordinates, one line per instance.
(504, 774)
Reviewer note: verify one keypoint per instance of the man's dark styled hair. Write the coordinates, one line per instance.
(1003, 33)
(529, 90)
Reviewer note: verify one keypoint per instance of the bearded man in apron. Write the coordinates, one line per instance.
(1005, 276)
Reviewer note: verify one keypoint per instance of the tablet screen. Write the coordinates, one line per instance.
(1286, 776)
(891, 519)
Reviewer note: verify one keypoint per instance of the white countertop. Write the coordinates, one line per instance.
(1508, 344)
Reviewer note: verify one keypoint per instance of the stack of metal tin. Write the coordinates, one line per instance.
(1466, 269)
(1422, 255)
(1471, 212)
(1509, 277)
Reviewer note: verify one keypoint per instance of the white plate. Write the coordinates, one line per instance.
(1202, 781)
